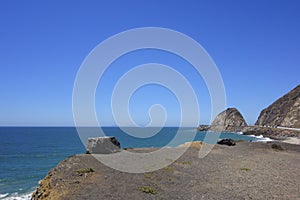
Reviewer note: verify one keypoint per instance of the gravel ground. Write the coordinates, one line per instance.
(245, 171)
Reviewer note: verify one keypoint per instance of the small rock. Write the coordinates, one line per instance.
(277, 147)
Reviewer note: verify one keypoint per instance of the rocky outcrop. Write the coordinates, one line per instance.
(102, 145)
(283, 112)
(43, 191)
(230, 120)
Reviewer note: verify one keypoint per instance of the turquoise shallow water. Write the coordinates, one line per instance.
(28, 153)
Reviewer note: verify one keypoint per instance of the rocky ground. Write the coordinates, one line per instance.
(245, 171)
(273, 133)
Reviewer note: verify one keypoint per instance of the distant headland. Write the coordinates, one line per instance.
(278, 121)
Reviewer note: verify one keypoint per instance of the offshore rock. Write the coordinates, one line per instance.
(230, 120)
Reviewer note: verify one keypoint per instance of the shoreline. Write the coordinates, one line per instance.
(290, 140)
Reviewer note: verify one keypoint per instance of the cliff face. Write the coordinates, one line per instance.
(228, 120)
(283, 112)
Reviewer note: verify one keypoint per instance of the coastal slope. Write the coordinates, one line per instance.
(245, 171)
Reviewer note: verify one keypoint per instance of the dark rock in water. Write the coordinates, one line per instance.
(102, 145)
(229, 142)
(230, 120)
(283, 112)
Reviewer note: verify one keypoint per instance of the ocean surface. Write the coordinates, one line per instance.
(28, 153)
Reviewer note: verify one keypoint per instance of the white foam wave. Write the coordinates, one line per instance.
(3, 195)
(261, 138)
(16, 196)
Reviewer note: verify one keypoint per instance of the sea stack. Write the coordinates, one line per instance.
(230, 120)
(283, 112)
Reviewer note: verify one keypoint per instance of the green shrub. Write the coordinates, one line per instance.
(245, 169)
(184, 162)
(148, 190)
(86, 170)
(169, 168)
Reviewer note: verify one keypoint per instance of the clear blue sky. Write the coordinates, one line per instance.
(255, 44)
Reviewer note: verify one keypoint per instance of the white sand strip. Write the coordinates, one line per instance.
(292, 140)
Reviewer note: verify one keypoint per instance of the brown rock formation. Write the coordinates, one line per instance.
(228, 120)
(283, 112)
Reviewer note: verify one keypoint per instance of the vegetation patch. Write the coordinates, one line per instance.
(148, 190)
(184, 163)
(245, 169)
(148, 175)
(169, 160)
(84, 171)
(169, 168)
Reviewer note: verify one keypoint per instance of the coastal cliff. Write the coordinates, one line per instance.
(283, 112)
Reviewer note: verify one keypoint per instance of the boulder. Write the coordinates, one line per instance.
(230, 120)
(102, 145)
(229, 142)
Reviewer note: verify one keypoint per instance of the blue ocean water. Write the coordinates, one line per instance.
(28, 153)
